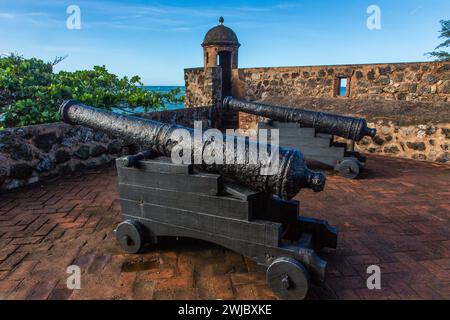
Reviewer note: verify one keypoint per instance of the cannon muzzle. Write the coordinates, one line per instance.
(288, 178)
(342, 126)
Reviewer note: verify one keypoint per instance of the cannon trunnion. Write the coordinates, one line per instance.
(160, 199)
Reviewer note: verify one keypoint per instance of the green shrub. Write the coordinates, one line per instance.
(30, 93)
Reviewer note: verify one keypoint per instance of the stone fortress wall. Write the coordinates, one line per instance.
(408, 103)
(34, 153)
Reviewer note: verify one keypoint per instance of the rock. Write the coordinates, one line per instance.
(64, 169)
(420, 146)
(33, 179)
(83, 152)
(391, 149)
(384, 71)
(384, 80)
(390, 89)
(424, 90)
(77, 135)
(371, 75)
(388, 138)
(444, 157)
(3, 174)
(20, 171)
(385, 129)
(446, 132)
(430, 79)
(430, 130)
(46, 164)
(421, 133)
(5, 136)
(100, 137)
(377, 140)
(444, 68)
(445, 146)
(432, 142)
(79, 166)
(312, 83)
(13, 184)
(407, 131)
(398, 77)
(359, 75)
(419, 156)
(401, 96)
(365, 141)
(445, 87)
(372, 150)
(45, 141)
(21, 152)
(114, 147)
(98, 150)
(62, 156)
(408, 87)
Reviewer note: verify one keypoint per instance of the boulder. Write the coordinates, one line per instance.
(419, 146)
(3, 174)
(391, 149)
(45, 141)
(83, 152)
(46, 164)
(21, 152)
(61, 156)
(114, 147)
(20, 171)
(98, 150)
(444, 157)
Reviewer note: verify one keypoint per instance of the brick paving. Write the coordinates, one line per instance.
(396, 216)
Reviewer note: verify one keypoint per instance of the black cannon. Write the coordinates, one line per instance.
(228, 204)
(312, 132)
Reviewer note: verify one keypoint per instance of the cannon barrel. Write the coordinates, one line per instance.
(342, 126)
(288, 178)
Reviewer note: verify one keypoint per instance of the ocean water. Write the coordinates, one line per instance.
(164, 89)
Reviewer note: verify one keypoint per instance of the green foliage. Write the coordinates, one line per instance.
(30, 93)
(442, 55)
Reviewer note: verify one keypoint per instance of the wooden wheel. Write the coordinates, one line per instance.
(288, 279)
(130, 236)
(348, 168)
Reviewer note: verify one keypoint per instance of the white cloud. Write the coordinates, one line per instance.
(7, 16)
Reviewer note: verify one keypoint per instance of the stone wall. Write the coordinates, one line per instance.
(416, 130)
(421, 142)
(426, 81)
(203, 86)
(34, 153)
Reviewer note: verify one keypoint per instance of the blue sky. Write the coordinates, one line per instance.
(157, 40)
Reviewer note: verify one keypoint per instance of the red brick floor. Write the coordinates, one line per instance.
(396, 216)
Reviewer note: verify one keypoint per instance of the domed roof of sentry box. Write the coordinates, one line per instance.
(221, 35)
